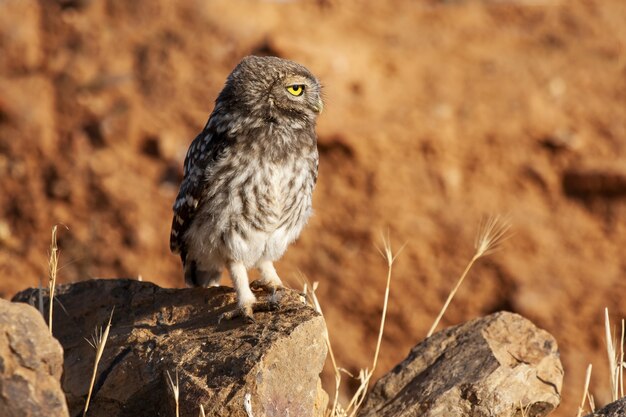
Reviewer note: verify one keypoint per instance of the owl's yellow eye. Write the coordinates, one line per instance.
(296, 89)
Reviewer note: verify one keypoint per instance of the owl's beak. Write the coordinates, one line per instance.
(319, 106)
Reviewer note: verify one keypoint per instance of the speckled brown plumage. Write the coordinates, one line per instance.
(249, 176)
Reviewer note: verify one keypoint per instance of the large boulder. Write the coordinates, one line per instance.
(31, 363)
(496, 366)
(275, 361)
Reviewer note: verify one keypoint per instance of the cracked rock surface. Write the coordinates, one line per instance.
(275, 361)
(495, 366)
(31, 362)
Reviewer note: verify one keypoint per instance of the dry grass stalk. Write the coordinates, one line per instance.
(53, 267)
(337, 410)
(175, 390)
(592, 403)
(312, 296)
(387, 253)
(616, 365)
(492, 232)
(98, 341)
(524, 409)
(612, 356)
(585, 392)
(621, 363)
(366, 375)
(616, 359)
(202, 414)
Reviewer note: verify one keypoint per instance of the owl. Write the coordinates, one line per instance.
(249, 177)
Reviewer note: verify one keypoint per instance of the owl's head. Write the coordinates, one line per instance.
(273, 89)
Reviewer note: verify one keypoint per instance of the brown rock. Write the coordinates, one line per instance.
(492, 366)
(614, 409)
(31, 362)
(277, 359)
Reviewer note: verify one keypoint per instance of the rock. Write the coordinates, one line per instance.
(277, 359)
(493, 367)
(614, 409)
(31, 363)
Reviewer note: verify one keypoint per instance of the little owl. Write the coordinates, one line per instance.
(249, 177)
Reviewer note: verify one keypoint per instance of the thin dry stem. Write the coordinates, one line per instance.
(316, 305)
(359, 396)
(524, 409)
(53, 267)
(621, 363)
(337, 410)
(492, 232)
(175, 389)
(99, 341)
(202, 414)
(612, 356)
(585, 392)
(365, 375)
(592, 402)
(390, 258)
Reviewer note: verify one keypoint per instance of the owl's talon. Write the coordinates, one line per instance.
(260, 285)
(236, 313)
(271, 305)
(247, 312)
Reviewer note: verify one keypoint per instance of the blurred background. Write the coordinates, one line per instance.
(437, 113)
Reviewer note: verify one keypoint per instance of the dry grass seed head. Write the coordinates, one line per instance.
(99, 340)
(491, 233)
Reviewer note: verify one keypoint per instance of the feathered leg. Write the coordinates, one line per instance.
(246, 300)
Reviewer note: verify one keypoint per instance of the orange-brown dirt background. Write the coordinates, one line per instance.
(437, 113)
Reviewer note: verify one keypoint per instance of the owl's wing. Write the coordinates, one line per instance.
(201, 154)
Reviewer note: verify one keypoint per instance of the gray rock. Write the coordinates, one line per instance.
(614, 409)
(276, 360)
(31, 363)
(493, 366)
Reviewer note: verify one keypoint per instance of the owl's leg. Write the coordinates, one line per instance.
(269, 278)
(245, 298)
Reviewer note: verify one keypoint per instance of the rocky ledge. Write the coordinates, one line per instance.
(275, 361)
(498, 366)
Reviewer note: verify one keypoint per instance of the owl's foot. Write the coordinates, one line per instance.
(246, 300)
(270, 280)
(246, 312)
(270, 286)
